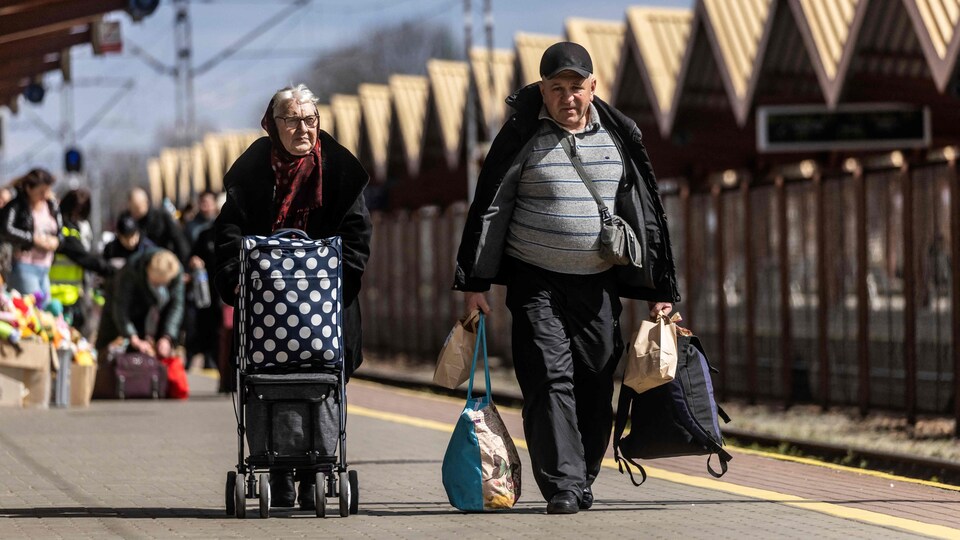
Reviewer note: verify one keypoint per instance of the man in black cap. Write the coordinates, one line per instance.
(128, 242)
(534, 227)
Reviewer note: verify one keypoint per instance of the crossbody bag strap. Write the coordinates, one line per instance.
(591, 187)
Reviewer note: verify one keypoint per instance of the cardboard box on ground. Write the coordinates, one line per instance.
(30, 367)
(82, 378)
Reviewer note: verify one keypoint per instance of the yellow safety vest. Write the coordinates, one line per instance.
(66, 276)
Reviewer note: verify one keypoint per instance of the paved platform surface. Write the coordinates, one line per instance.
(157, 470)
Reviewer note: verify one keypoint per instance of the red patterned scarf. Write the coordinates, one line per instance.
(299, 179)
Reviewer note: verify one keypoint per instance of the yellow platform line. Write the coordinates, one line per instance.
(736, 449)
(845, 512)
(845, 468)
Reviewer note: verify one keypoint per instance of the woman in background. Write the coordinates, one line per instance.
(31, 222)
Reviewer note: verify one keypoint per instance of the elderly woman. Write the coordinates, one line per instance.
(31, 222)
(298, 177)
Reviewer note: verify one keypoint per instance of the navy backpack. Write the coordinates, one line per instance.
(678, 418)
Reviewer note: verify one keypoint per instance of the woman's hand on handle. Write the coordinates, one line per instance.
(477, 300)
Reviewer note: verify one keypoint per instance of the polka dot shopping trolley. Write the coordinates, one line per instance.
(291, 401)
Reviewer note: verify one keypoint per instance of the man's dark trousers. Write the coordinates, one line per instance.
(566, 346)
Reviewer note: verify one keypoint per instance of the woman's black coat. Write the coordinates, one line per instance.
(251, 208)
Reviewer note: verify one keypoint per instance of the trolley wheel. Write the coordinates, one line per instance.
(320, 492)
(228, 492)
(264, 495)
(344, 486)
(354, 492)
(240, 497)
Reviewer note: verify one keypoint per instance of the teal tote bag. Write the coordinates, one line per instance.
(481, 468)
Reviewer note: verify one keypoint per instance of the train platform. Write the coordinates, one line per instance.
(882, 440)
(144, 469)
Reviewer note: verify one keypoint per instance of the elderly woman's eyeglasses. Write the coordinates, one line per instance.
(293, 121)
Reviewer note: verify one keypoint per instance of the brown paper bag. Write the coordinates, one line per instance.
(652, 357)
(456, 356)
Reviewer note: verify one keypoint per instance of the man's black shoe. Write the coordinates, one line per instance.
(564, 502)
(587, 501)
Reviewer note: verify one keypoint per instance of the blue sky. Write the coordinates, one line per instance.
(232, 95)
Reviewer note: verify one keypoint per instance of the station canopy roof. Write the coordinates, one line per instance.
(36, 35)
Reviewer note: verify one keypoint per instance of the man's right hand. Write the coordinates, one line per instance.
(477, 300)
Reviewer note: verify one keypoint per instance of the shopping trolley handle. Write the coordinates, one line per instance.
(290, 233)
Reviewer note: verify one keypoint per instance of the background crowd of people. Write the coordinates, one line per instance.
(138, 287)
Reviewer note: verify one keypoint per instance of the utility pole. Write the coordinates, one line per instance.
(470, 114)
(68, 132)
(494, 120)
(186, 115)
(183, 71)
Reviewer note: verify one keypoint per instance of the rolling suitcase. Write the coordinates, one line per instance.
(139, 376)
(290, 303)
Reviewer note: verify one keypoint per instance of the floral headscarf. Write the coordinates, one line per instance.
(299, 179)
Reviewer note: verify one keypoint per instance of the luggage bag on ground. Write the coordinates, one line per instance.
(131, 375)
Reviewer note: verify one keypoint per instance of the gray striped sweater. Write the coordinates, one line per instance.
(556, 224)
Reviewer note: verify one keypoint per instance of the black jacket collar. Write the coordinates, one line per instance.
(528, 100)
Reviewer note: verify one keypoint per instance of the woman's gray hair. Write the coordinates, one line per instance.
(298, 93)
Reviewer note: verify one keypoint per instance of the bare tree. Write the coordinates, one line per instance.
(379, 53)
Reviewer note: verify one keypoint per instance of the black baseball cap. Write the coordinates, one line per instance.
(126, 225)
(564, 56)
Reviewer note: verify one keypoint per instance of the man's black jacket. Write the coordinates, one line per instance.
(164, 231)
(637, 202)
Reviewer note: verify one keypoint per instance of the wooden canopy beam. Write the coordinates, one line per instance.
(39, 19)
(42, 44)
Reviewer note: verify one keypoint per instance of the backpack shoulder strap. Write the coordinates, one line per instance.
(623, 410)
(723, 464)
(723, 414)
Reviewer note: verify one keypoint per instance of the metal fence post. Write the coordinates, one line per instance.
(717, 194)
(691, 293)
(418, 328)
(863, 307)
(750, 297)
(910, 298)
(373, 310)
(823, 296)
(786, 327)
(955, 293)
